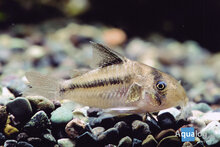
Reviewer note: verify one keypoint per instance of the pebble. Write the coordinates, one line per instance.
(197, 122)
(165, 133)
(128, 118)
(154, 127)
(35, 141)
(80, 115)
(74, 128)
(38, 123)
(48, 139)
(22, 136)
(114, 36)
(93, 112)
(105, 120)
(10, 130)
(175, 112)
(197, 113)
(166, 121)
(203, 107)
(211, 133)
(98, 130)
(86, 139)
(136, 142)
(125, 142)
(66, 142)
(61, 116)
(211, 116)
(41, 103)
(187, 144)
(150, 141)
(10, 143)
(110, 145)
(110, 136)
(20, 108)
(123, 129)
(5, 95)
(140, 129)
(199, 144)
(56, 104)
(173, 141)
(2, 138)
(24, 144)
(181, 123)
(3, 116)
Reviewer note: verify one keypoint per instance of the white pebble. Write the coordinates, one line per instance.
(211, 133)
(66, 142)
(175, 112)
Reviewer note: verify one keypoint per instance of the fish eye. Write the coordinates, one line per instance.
(161, 85)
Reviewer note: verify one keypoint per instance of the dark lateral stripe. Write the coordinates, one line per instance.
(97, 83)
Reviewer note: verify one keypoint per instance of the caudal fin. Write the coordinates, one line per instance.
(42, 85)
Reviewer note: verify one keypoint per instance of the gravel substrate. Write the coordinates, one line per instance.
(57, 49)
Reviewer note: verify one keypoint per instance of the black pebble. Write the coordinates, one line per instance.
(24, 144)
(123, 128)
(129, 118)
(199, 144)
(10, 143)
(166, 121)
(85, 140)
(140, 130)
(136, 142)
(20, 108)
(154, 127)
(105, 120)
(2, 138)
(181, 123)
(35, 141)
(93, 112)
(22, 136)
(110, 136)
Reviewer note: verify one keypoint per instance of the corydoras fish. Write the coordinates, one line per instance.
(116, 83)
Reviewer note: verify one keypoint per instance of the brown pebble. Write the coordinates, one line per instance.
(114, 36)
(150, 141)
(170, 141)
(165, 133)
(75, 128)
(187, 144)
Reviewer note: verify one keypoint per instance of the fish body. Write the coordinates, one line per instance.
(116, 84)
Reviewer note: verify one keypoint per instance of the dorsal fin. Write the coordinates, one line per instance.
(104, 56)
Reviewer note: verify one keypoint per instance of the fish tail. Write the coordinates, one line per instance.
(42, 85)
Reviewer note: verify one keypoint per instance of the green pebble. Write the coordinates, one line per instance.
(61, 116)
(203, 107)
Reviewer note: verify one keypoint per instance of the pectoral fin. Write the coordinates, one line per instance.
(121, 110)
(104, 56)
(135, 93)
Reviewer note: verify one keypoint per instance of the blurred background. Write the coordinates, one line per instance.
(181, 38)
(183, 20)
